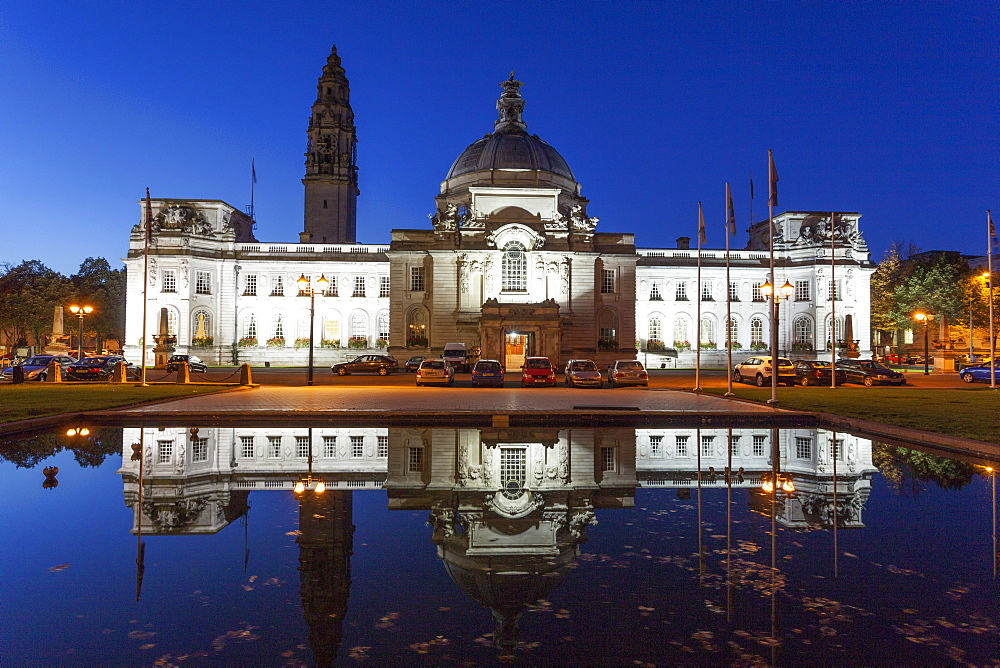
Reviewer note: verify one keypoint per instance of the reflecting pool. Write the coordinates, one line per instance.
(319, 546)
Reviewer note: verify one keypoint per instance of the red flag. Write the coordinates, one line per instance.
(993, 231)
(701, 227)
(149, 218)
(772, 176)
(730, 213)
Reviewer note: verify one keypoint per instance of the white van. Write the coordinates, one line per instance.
(456, 354)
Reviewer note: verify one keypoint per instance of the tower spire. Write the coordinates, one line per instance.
(510, 107)
(331, 178)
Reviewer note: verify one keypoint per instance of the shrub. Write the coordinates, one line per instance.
(248, 342)
(329, 343)
(682, 345)
(735, 345)
(202, 341)
(758, 345)
(707, 345)
(655, 345)
(381, 343)
(357, 342)
(276, 342)
(302, 343)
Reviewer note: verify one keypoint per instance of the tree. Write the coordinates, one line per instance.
(906, 469)
(890, 273)
(102, 287)
(28, 293)
(934, 287)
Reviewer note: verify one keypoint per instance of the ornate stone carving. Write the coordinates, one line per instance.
(182, 218)
(579, 521)
(175, 515)
(522, 234)
(463, 464)
(580, 222)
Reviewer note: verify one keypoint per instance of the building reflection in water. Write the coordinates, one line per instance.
(509, 507)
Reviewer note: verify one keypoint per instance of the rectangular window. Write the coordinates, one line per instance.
(273, 447)
(734, 446)
(359, 286)
(329, 447)
(415, 460)
(331, 288)
(250, 285)
(755, 292)
(706, 291)
(837, 446)
(707, 445)
(655, 295)
(169, 282)
(416, 279)
(835, 291)
(758, 445)
(682, 446)
(734, 291)
(608, 281)
(608, 459)
(803, 448)
(246, 447)
(681, 291)
(383, 286)
(302, 447)
(655, 446)
(801, 291)
(277, 286)
(164, 452)
(199, 449)
(203, 283)
(383, 446)
(357, 446)
(513, 467)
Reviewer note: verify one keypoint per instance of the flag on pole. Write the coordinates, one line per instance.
(751, 186)
(772, 175)
(253, 171)
(994, 242)
(701, 226)
(149, 218)
(730, 212)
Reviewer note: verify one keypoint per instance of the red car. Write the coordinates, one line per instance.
(538, 371)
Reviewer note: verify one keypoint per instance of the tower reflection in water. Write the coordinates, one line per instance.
(509, 507)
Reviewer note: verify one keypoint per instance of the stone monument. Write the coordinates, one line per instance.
(164, 342)
(58, 340)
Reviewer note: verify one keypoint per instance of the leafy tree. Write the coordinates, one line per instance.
(102, 287)
(906, 469)
(28, 293)
(933, 287)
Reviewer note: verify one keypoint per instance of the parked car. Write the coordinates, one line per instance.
(487, 372)
(816, 372)
(758, 370)
(36, 367)
(413, 363)
(627, 372)
(100, 367)
(870, 373)
(435, 372)
(383, 365)
(193, 361)
(979, 372)
(583, 373)
(538, 371)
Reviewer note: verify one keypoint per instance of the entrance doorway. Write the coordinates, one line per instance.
(517, 347)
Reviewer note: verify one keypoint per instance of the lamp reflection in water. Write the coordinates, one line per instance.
(317, 486)
(993, 495)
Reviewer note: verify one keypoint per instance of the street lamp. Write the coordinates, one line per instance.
(80, 312)
(972, 293)
(305, 288)
(317, 486)
(925, 318)
(784, 292)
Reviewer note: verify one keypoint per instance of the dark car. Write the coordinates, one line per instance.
(36, 367)
(981, 372)
(487, 372)
(383, 365)
(413, 363)
(96, 368)
(193, 361)
(816, 372)
(870, 372)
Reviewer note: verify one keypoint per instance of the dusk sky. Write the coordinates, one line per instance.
(889, 109)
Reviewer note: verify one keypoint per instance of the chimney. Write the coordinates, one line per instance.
(683, 243)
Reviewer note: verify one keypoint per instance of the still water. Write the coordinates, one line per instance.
(481, 546)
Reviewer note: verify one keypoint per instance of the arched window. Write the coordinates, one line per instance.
(331, 330)
(655, 329)
(836, 327)
(681, 337)
(514, 268)
(607, 330)
(201, 327)
(249, 329)
(171, 321)
(733, 332)
(756, 330)
(279, 328)
(707, 330)
(802, 331)
(416, 328)
(383, 327)
(359, 330)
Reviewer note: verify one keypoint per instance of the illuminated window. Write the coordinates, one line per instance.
(608, 459)
(756, 331)
(415, 460)
(514, 268)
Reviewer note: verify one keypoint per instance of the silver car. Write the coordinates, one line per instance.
(583, 373)
(36, 367)
(435, 372)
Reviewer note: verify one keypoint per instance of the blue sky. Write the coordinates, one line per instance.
(885, 108)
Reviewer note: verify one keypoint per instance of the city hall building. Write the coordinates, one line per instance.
(512, 264)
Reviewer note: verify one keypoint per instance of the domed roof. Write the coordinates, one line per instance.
(510, 146)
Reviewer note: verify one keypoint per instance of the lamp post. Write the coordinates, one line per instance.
(80, 312)
(924, 318)
(318, 486)
(784, 292)
(972, 293)
(305, 288)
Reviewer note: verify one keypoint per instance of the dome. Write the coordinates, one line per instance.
(510, 146)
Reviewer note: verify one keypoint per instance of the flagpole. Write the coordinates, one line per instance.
(833, 304)
(253, 182)
(697, 349)
(730, 230)
(147, 232)
(990, 241)
(772, 200)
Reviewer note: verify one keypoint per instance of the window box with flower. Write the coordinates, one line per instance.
(708, 345)
(202, 341)
(357, 342)
(655, 346)
(276, 342)
(757, 346)
(735, 345)
(302, 343)
(248, 342)
(802, 346)
(682, 345)
(416, 342)
(381, 343)
(329, 343)
(607, 344)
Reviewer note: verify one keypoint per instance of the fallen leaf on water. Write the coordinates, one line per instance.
(852, 556)
(149, 646)
(57, 569)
